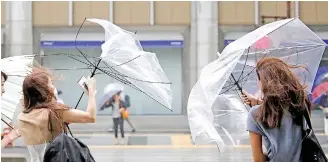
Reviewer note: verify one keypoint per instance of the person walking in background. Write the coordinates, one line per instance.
(42, 119)
(277, 122)
(8, 135)
(117, 109)
(126, 99)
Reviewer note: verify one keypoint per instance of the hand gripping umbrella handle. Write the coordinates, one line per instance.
(238, 86)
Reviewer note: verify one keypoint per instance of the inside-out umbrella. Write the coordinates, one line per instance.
(126, 61)
(216, 112)
(133, 66)
(16, 68)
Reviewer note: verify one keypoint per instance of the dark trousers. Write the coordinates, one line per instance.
(129, 122)
(118, 121)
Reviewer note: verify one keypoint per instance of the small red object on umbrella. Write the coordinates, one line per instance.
(319, 90)
(263, 43)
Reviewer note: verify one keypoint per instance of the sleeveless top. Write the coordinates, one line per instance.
(34, 129)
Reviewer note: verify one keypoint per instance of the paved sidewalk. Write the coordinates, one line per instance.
(158, 154)
(144, 124)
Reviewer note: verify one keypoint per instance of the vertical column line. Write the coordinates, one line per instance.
(111, 11)
(151, 12)
(256, 12)
(297, 9)
(70, 13)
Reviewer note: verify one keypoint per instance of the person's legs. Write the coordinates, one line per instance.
(133, 129)
(121, 122)
(116, 122)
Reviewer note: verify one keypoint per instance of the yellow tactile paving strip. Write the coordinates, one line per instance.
(181, 140)
(160, 146)
(106, 134)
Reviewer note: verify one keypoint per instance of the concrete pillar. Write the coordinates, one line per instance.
(19, 35)
(192, 58)
(204, 28)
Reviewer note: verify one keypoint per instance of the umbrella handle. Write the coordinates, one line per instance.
(239, 87)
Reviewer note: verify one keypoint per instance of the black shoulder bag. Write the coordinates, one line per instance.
(64, 148)
(311, 149)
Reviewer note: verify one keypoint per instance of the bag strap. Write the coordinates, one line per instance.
(307, 118)
(70, 132)
(51, 128)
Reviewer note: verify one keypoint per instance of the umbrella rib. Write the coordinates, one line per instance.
(57, 54)
(7, 123)
(5, 116)
(80, 68)
(121, 74)
(126, 61)
(78, 32)
(242, 71)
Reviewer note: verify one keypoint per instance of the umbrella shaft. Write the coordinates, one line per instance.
(236, 83)
(94, 70)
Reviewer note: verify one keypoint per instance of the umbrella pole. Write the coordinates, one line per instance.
(238, 86)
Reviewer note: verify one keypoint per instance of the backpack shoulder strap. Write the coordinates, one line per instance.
(307, 118)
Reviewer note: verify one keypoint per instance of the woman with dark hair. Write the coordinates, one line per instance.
(118, 107)
(14, 133)
(277, 121)
(42, 119)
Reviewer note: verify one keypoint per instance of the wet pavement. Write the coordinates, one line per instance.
(164, 154)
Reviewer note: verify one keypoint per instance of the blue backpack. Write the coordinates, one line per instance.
(127, 101)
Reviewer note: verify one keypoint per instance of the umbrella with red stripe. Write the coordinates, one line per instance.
(319, 91)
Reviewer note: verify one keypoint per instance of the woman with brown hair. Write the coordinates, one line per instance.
(277, 121)
(43, 117)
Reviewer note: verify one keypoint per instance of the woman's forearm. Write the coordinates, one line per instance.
(91, 109)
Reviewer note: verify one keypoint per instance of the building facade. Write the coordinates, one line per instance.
(184, 35)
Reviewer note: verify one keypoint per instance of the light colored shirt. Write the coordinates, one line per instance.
(116, 110)
(283, 144)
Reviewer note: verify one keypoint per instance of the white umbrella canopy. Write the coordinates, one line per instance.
(215, 111)
(109, 91)
(16, 67)
(131, 65)
(113, 87)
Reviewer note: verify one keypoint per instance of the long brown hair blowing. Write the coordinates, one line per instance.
(281, 91)
(38, 94)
